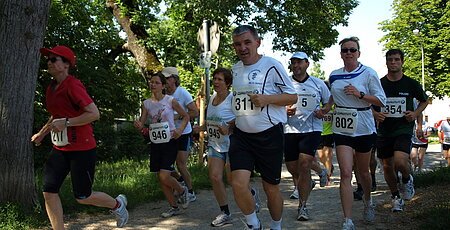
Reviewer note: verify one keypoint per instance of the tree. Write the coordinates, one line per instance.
(22, 26)
(316, 71)
(432, 20)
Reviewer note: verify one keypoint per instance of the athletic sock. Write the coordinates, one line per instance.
(275, 224)
(225, 209)
(252, 219)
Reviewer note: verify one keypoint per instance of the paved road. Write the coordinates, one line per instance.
(324, 207)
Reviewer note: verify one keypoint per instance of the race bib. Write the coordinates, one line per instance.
(328, 118)
(307, 101)
(60, 138)
(447, 140)
(213, 131)
(242, 106)
(345, 120)
(395, 107)
(159, 132)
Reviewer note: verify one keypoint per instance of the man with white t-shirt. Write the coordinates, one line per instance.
(304, 127)
(185, 99)
(261, 90)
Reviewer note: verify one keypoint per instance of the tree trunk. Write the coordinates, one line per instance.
(22, 29)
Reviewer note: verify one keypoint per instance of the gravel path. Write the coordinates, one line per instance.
(324, 208)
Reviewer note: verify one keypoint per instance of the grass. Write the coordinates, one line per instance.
(433, 207)
(130, 177)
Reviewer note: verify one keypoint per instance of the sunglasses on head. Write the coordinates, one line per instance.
(345, 50)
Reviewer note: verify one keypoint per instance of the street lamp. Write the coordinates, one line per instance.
(417, 33)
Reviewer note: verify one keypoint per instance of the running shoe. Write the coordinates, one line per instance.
(358, 194)
(408, 189)
(221, 219)
(323, 178)
(369, 211)
(121, 212)
(397, 204)
(251, 227)
(256, 199)
(183, 198)
(348, 224)
(294, 194)
(171, 212)
(313, 184)
(192, 197)
(302, 214)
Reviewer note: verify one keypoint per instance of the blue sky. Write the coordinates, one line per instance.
(363, 23)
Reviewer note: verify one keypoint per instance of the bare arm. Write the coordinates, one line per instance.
(185, 118)
(37, 138)
(139, 124)
(261, 100)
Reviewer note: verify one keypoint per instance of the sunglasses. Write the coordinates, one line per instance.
(352, 50)
(53, 59)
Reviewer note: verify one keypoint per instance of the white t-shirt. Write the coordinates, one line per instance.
(267, 77)
(184, 98)
(425, 128)
(160, 117)
(215, 116)
(312, 92)
(364, 79)
(445, 129)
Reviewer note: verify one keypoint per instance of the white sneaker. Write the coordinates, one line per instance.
(192, 197)
(348, 224)
(302, 214)
(257, 200)
(323, 178)
(408, 189)
(183, 198)
(369, 211)
(397, 204)
(121, 212)
(171, 212)
(250, 227)
(294, 194)
(221, 219)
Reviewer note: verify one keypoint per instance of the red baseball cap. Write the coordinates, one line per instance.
(62, 51)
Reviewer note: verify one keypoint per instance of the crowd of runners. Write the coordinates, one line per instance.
(257, 118)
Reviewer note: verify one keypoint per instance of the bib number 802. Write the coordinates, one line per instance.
(344, 123)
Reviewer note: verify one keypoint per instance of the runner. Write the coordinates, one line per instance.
(354, 89)
(187, 103)
(72, 111)
(159, 111)
(325, 149)
(261, 90)
(444, 138)
(218, 117)
(396, 126)
(419, 145)
(304, 127)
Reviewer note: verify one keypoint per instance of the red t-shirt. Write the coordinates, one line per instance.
(68, 101)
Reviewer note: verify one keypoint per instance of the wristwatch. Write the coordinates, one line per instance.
(362, 94)
(67, 122)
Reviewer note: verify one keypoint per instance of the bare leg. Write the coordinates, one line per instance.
(345, 159)
(54, 210)
(182, 160)
(274, 200)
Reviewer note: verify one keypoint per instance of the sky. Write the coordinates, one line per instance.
(363, 23)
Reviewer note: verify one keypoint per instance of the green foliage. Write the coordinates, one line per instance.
(316, 71)
(432, 20)
(440, 175)
(435, 218)
(13, 216)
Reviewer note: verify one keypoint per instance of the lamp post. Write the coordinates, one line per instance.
(417, 33)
